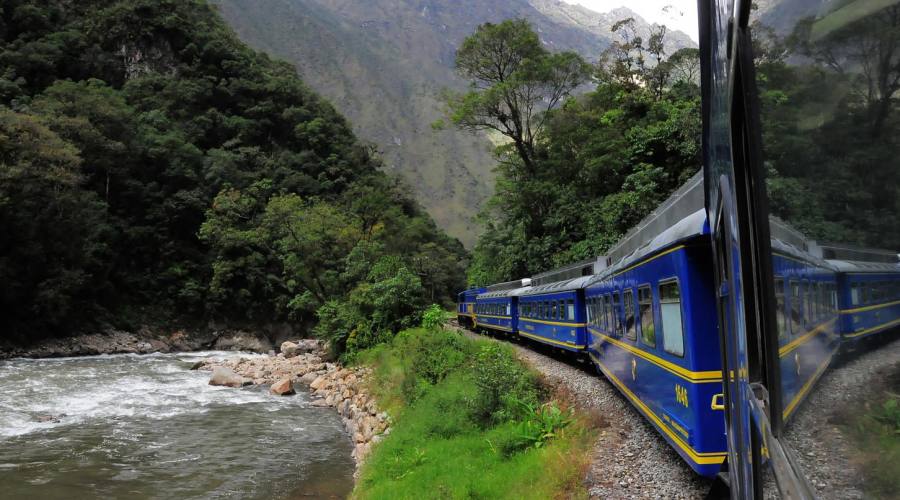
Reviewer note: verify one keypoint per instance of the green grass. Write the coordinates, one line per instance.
(452, 438)
(876, 434)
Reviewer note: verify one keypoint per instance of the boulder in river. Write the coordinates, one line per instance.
(283, 387)
(227, 377)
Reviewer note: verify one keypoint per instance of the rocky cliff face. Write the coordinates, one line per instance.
(383, 64)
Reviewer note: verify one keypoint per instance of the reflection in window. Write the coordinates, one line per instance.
(670, 312)
(796, 308)
(617, 312)
(780, 312)
(630, 325)
(648, 328)
(570, 310)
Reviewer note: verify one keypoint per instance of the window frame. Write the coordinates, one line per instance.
(640, 311)
(672, 281)
(630, 333)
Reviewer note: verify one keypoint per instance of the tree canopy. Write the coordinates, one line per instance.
(600, 162)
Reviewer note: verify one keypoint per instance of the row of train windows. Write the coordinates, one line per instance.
(498, 309)
(810, 302)
(605, 313)
(549, 309)
(874, 292)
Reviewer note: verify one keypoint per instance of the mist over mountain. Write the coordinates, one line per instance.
(383, 64)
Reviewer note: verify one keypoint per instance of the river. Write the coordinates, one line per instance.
(146, 427)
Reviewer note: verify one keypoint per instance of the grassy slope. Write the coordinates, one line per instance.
(438, 449)
(875, 434)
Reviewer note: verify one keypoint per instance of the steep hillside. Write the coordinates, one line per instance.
(383, 64)
(153, 168)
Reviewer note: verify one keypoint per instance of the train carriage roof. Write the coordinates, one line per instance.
(500, 294)
(558, 286)
(689, 227)
(849, 266)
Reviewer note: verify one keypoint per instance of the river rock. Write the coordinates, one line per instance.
(283, 387)
(308, 378)
(228, 378)
(317, 383)
(289, 349)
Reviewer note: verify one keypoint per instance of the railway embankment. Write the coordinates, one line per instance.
(628, 458)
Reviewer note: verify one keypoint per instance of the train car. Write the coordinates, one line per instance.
(495, 309)
(868, 294)
(806, 314)
(554, 314)
(652, 332)
(465, 307)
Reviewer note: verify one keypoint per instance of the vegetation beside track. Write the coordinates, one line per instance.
(875, 434)
(470, 421)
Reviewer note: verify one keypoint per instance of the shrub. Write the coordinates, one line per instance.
(502, 383)
(433, 318)
(429, 357)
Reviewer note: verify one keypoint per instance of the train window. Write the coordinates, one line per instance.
(645, 308)
(630, 325)
(796, 316)
(608, 313)
(617, 312)
(605, 312)
(553, 309)
(780, 313)
(820, 287)
(589, 310)
(854, 294)
(509, 309)
(816, 290)
(670, 312)
(807, 298)
(570, 309)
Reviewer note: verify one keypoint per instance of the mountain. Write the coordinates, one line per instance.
(383, 63)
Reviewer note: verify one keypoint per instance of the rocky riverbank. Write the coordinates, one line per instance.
(143, 341)
(303, 364)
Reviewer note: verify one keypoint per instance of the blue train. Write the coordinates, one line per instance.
(646, 316)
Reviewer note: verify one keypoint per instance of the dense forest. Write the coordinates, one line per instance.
(155, 169)
(576, 172)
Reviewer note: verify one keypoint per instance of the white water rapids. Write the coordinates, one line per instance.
(129, 426)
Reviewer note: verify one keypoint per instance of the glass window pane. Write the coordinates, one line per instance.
(670, 313)
(570, 310)
(630, 325)
(796, 308)
(648, 327)
(780, 313)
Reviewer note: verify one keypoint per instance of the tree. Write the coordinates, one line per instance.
(603, 160)
(514, 81)
(53, 253)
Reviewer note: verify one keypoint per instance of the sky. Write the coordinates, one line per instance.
(676, 14)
